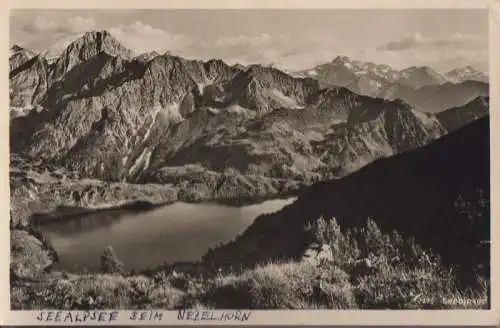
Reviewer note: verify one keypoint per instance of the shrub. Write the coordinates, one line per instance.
(399, 273)
(96, 292)
(281, 286)
(56, 295)
(344, 246)
(141, 290)
(110, 263)
(43, 237)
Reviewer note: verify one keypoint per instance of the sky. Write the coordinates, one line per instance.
(289, 39)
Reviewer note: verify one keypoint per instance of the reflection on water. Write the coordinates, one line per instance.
(177, 232)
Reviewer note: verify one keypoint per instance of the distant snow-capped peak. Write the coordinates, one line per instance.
(466, 73)
(358, 68)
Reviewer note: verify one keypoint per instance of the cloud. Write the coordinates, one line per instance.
(287, 51)
(71, 25)
(79, 24)
(417, 41)
(262, 48)
(142, 37)
(244, 40)
(137, 28)
(299, 53)
(407, 42)
(40, 24)
(441, 53)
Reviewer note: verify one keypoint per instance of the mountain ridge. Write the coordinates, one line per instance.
(455, 118)
(458, 75)
(365, 78)
(257, 91)
(107, 114)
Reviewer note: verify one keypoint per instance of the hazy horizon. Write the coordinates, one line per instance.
(289, 39)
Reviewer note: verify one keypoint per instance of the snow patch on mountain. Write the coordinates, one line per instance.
(237, 109)
(201, 85)
(424, 118)
(142, 162)
(312, 72)
(284, 100)
(170, 112)
(466, 73)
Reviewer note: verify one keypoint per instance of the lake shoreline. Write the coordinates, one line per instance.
(70, 212)
(137, 213)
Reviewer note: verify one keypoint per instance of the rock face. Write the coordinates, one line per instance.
(444, 186)
(455, 118)
(18, 56)
(29, 257)
(30, 81)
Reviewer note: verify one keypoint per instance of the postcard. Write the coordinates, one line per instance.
(250, 163)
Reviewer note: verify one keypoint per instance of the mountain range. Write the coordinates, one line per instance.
(104, 113)
(422, 87)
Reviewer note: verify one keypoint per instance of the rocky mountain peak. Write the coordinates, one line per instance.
(92, 43)
(255, 69)
(417, 77)
(418, 69)
(216, 61)
(18, 56)
(147, 56)
(265, 74)
(239, 66)
(95, 35)
(16, 48)
(215, 65)
(87, 46)
(341, 60)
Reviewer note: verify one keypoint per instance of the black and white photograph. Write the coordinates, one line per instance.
(258, 159)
